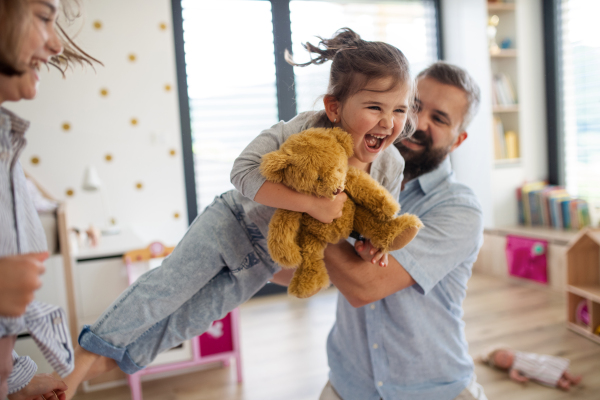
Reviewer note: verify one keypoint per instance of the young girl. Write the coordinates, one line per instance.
(223, 259)
(29, 38)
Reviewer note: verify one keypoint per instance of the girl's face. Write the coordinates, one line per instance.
(39, 43)
(374, 117)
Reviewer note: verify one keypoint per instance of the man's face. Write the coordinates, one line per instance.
(441, 110)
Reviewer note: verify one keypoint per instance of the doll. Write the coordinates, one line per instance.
(522, 367)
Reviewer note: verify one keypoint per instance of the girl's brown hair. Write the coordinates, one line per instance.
(355, 62)
(13, 18)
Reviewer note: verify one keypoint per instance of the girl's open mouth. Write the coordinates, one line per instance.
(374, 142)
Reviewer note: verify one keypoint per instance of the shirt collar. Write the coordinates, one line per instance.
(431, 180)
(18, 126)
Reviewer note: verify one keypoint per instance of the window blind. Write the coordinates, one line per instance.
(579, 74)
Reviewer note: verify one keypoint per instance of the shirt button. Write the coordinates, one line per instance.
(372, 306)
(379, 383)
(375, 346)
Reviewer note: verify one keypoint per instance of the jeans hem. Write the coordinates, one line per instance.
(95, 344)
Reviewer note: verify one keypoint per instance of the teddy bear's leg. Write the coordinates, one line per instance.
(389, 235)
(311, 276)
(283, 232)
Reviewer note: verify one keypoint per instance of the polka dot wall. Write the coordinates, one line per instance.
(121, 118)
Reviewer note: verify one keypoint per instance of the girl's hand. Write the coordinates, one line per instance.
(371, 254)
(326, 210)
(517, 376)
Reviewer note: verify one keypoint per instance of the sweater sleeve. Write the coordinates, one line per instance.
(245, 174)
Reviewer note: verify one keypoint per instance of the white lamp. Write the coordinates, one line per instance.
(92, 183)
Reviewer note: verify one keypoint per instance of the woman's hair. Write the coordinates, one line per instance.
(14, 16)
(355, 62)
(452, 75)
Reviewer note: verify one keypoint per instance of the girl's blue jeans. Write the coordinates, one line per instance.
(219, 264)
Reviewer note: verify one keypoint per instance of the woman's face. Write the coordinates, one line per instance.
(39, 43)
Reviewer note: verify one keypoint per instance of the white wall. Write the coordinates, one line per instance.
(465, 44)
(101, 125)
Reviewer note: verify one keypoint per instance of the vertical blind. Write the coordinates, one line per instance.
(230, 66)
(580, 87)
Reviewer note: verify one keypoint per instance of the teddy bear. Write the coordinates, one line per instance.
(315, 162)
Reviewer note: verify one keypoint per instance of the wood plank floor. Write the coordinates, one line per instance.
(283, 345)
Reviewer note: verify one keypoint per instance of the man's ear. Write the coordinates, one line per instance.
(459, 139)
(273, 166)
(332, 108)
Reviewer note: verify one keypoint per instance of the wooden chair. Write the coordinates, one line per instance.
(220, 343)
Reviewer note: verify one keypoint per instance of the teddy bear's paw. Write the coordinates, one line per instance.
(303, 288)
(411, 225)
(290, 259)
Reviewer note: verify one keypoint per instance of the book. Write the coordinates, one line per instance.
(511, 141)
(554, 199)
(525, 191)
(566, 214)
(499, 142)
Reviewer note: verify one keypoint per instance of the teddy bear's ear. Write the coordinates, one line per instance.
(344, 139)
(273, 166)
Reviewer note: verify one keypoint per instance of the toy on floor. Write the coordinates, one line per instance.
(315, 162)
(522, 367)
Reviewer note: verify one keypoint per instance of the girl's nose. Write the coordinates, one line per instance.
(387, 122)
(54, 44)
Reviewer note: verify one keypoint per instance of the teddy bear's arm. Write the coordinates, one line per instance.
(367, 192)
(282, 238)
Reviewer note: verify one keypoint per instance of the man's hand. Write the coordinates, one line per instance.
(369, 253)
(19, 278)
(41, 385)
(326, 210)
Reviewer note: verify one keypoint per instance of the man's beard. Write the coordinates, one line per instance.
(421, 163)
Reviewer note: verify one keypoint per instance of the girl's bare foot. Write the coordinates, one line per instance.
(564, 384)
(574, 380)
(87, 366)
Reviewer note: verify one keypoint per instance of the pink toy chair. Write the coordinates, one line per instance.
(220, 343)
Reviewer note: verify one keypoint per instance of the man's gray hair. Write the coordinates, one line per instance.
(452, 75)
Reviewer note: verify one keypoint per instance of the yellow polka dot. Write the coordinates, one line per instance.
(132, 57)
(103, 92)
(97, 25)
(172, 152)
(70, 192)
(162, 26)
(108, 157)
(139, 185)
(35, 160)
(134, 121)
(176, 215)
(167, 88)
(66, 127)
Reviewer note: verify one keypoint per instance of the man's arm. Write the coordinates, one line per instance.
(362, 282)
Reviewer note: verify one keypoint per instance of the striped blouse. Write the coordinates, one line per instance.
(540, 367)
(22, 233)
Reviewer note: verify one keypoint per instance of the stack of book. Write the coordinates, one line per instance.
(503, 93)
(541, 204)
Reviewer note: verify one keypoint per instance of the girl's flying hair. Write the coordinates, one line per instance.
(14, 16)
(355, 62)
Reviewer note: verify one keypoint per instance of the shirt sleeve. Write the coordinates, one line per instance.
(23, 371)
(245, 174)
(452, 235)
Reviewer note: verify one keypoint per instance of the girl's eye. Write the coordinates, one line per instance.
(400, 110)
(374, 108)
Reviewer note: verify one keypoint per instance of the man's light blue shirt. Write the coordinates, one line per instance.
(411, 344)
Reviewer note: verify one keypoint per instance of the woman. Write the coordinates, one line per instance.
(29, 38)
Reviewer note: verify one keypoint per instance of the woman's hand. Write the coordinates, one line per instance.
(19, 279)
(41, 385)
(326, 210)
(371, 254)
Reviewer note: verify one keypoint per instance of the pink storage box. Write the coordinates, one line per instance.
(526, 258)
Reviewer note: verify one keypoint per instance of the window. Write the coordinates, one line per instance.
(579, 94)
(234, 71)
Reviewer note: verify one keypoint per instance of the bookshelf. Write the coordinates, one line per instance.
(583, 284)
(502, 47)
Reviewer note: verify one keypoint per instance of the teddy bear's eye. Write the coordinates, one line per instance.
(318, 177)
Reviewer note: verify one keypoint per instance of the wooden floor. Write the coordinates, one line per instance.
(283, 345)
